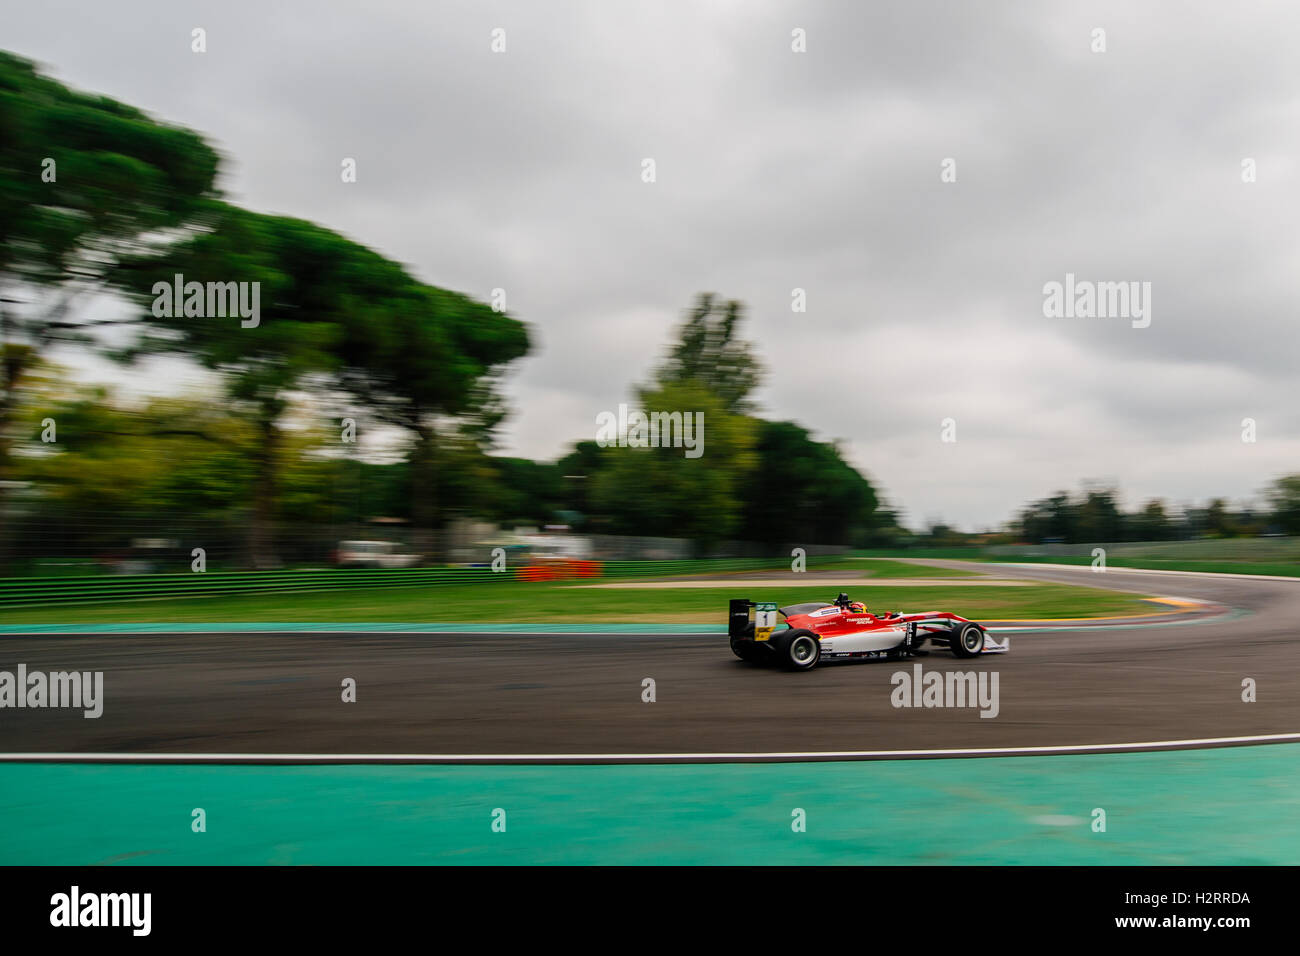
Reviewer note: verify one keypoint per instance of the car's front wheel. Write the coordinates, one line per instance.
(798, 650)
(968, 641)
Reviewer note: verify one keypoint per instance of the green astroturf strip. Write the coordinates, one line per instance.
(1226, 806)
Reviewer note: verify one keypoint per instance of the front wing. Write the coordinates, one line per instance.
(941, 627)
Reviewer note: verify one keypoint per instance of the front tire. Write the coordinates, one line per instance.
(799, 650)
(968, 641)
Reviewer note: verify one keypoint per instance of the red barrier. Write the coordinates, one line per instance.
(559, 570)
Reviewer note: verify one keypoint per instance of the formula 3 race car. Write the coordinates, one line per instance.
(846, 630)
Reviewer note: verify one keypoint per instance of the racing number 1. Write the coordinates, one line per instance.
(764, 621)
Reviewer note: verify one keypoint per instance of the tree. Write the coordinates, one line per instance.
(1152, 523)
(1099, 519)
(941, 535)
(803, 492)
(118, 471)
(768, 482)
(423, 357)
(709, 352)
(708, 375)
(1050, 519)
(660, 491)
(529, 492)
(314, 290)
(1284, 499)
(1218, 523)
(84, 181)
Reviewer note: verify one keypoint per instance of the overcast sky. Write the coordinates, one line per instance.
(818, 170)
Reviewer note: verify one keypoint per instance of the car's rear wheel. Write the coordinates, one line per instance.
(798, 650)
(968, 640)
(747, 651)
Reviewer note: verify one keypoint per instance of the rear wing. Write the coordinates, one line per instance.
(739, 617)
(747, 618)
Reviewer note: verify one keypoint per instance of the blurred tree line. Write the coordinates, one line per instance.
(1094, 515)
(760, 481)
(764, 482)
(100, 199)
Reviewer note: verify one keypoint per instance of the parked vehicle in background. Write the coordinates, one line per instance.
(146, 556)
(373, 554)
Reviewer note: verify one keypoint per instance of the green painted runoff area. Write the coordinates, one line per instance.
(1237, 805)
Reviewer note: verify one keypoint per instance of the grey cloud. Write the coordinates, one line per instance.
(818, 171)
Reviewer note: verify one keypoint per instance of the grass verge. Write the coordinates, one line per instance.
(552, 602)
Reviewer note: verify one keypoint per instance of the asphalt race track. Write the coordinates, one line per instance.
(461, 694)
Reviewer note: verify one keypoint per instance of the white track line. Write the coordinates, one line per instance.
(776, 756)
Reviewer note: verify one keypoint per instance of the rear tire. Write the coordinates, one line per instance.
(798, 650)
(746, 650)
(968, 641)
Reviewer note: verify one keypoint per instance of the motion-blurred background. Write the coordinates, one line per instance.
(376, 416)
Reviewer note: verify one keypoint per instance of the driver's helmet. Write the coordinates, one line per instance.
(852, 607)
